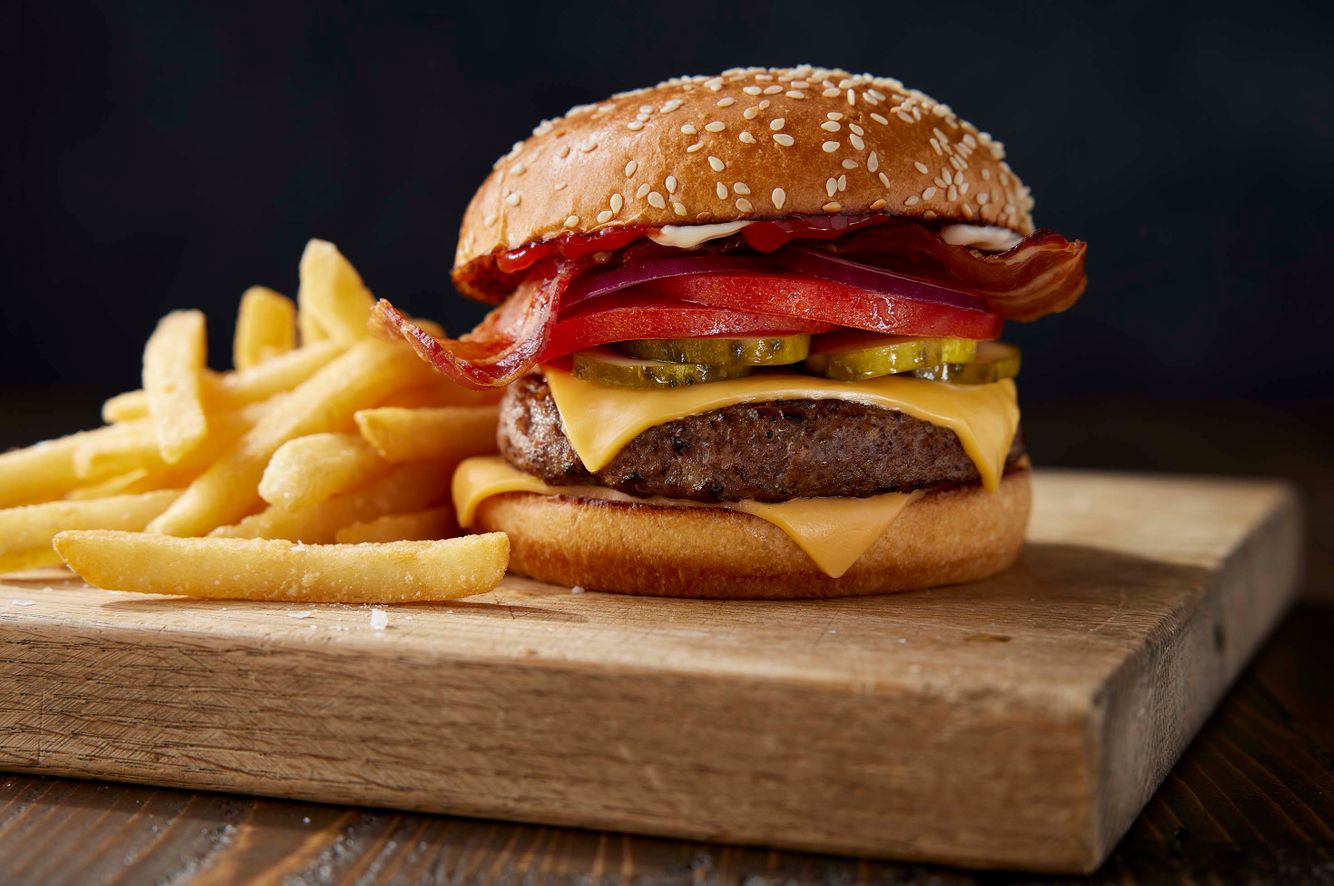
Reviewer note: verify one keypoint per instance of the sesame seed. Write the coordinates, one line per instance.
(830, 126)
(967, 211)
(671, 184)
(963, 188)
(695, 147)
(916, 114)
(744, 205)
(850, 164)
(830, 186)
(678, 207)
(773, 90)
(563, 152)
(718, 165)
(777, 123)
(842, 182)
(884, 179)
(604, 216)
(928, 193)
(513, 199)
(852, 97)
(831, 92)
(491, 219)
(953, 193)
(935, 146)
(779, 196)
(641, 191)
(571, 221)
(751, 113)
(726, 102)
(986, 174)
(588, 147)
(795, 93)
(716, 126)
(921, 167)
(670, 105)
(830, 147)
(635, 125)
(630, 168)
(856, 142)
(912, 201)
(929, 215)
(873, 162)
(834, 115)
(518, 169)
(878, 204)
(904, 116)
(715, 84)
(721, 190)
(982, 198)
(784, 139)
(646, 109)
(688, 129)
(740, 188)
(832, 206)
(752, 90)
(879, 119)
(617, 201)
(747, 138)
(656, 200)
(764, 105)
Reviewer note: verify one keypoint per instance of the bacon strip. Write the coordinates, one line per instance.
(1041, 275)
(505, 345)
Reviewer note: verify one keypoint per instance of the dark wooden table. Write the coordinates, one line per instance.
(1252, 799)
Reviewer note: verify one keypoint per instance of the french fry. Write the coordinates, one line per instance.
(310, 469)
(449, 432)
(173, 381)
(331, 293)
(442, 393)
(226, 391)
(128, 483)
(257, 569)
(132, 445)
(265, 327)
(45, 471)
(26, 532)
(416, 526)
(367, 373)
(408, 487)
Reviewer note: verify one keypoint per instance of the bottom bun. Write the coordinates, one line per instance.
(945, 537)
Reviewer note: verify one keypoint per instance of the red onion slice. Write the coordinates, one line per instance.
(598, 284)
(826, 266)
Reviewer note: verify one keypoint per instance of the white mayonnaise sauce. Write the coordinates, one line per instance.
(690, 236)
(986, 238)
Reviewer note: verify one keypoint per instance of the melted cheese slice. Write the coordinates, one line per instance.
(600, 420)
(834, 532)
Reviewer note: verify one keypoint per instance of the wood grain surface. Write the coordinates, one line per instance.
(1251, 801)
(1019, 722)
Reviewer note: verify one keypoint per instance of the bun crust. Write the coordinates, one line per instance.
(945, 537)
(747, 144)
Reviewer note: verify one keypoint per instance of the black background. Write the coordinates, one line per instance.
(159, 157)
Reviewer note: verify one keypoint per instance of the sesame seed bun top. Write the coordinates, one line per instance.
(747, 144)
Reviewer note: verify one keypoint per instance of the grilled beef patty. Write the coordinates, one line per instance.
(771, 451)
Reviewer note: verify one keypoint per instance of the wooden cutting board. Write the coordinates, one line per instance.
(1018, 722)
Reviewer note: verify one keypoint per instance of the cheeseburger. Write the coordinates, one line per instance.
(747, 327)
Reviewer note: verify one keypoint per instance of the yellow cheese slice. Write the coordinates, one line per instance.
(600, 420)
(834, 532)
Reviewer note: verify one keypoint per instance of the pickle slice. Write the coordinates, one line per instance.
(994, 361)
(606, 367)
(856, 356)
(773, 350)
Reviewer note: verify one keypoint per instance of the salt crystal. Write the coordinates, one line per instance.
(379, 619)
(299, 613)
(24, 602)
(576, 590)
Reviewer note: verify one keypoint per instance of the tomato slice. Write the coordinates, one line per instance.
(628, 316)
(824, 301)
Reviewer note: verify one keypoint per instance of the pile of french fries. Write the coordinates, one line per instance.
(317, 470)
